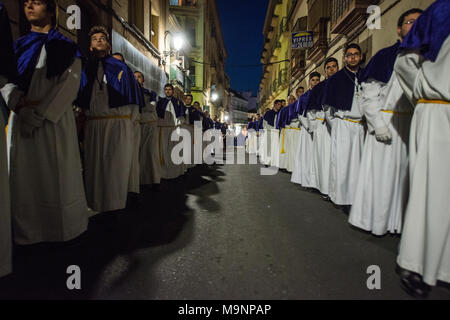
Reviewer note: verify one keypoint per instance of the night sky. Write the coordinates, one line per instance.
(242, 26)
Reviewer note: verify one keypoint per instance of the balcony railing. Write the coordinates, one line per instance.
(346, 15)
(177, 76)
(190, 3)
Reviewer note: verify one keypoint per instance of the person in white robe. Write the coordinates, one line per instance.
(262, 141)
(420, 68)
(111, 99)
(308, 121)
(303, 173)
(269, 124)
(382, 187)
(150, 168)
(7, 72)
(172, 114)
(48, 202)
(281, 125)
(290, 134)
(275, 138)
(192, 115)
(321, 133)
(134, 181)
(347, 131)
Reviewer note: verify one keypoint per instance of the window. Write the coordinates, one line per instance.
(299, 55)
(183, 2)
(136, 14)
(191, 31)
(154, 32)
(192, 76)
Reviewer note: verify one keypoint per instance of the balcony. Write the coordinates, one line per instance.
(320, 47)
(176, 76)
(348, 15)
(186, 3)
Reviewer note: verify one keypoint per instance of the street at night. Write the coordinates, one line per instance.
(209, 151)
(221, 232)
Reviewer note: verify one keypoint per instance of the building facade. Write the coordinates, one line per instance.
(275, 56)
(200, 23)
(239, 111)
(144, 32)
(336, 23)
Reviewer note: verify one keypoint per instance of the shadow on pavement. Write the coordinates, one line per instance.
(40, 270)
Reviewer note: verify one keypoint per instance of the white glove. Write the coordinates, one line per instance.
(329, 117)
(29, 121)
(383, 134)
(339, 114)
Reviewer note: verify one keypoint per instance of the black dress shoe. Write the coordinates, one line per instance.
(156, 188)
(413, 284)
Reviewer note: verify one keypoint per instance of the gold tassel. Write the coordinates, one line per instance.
(283, 151)
(57, 14)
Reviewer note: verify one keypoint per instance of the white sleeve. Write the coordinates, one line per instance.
(371, 102)
(311, 115)
(305, 123)
(407, 67)
(51, 107)
(11, 94)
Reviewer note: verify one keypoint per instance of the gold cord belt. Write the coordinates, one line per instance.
(108, 117)
(354, 121)
(426, 101)
(149, 121)
(397, 112)
(283, 151)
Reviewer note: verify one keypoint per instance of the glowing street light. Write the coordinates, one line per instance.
(178, 42)
(214, 97)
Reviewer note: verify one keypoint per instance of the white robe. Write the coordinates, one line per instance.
(5, 212)
(109, 150)
(265, 149)
(347, 141)
(283, 147)
(302, 173)
(252, 142)
(382, 187)
(274, 146)
(292, 144)
(191, 128)
(321, 152)
(425, 244)
(167, 126)
(48, 202)
(150, 167)
(134, 182)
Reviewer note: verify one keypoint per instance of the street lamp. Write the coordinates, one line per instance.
(178, 42)
(214, 97)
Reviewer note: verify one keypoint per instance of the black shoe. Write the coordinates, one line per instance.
(156, 188)
(413, 284)
(134, 202)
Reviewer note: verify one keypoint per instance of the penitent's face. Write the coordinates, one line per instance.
(407, 24)
(36, 12)
(99, 42)
(139, 78)
(291, 100)
(188, 100)
(331, 68)
(353, 57)
(168, 92)
(314, 82)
